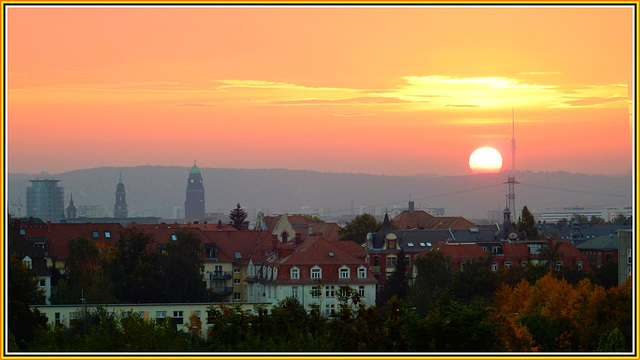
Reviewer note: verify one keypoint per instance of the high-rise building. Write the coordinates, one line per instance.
(194, 205)
(120, 208)
(45, 200)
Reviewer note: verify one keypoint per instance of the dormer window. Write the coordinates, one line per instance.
(174, 237)
(316, 272)
(391, 244)
(275, 273)
(344, 273)
(362, 272)
(295, 273)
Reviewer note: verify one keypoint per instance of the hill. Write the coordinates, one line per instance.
(155, 190)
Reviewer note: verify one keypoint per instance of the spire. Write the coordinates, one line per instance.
(120, 178)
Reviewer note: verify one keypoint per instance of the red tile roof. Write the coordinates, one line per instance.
(421, 219)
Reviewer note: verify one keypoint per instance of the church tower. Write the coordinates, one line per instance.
(71, 209)
(194, 205)
(120, 208)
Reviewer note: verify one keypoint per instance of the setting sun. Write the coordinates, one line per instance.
(485, 160)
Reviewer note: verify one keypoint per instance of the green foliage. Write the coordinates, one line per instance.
(357, 229)
(476, 282)
(397, 284)
(527, 223)
(434, 276)
(181, 269)
(22, 291)
(237, 216)
(607, 274)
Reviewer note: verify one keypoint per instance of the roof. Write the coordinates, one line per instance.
(329, 255)
(21, 248)
(460, 251)
(604, 242)
(416, 219)
(516, 251)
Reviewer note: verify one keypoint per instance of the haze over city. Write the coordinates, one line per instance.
(378, 90)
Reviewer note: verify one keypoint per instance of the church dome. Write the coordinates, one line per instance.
(194, 170)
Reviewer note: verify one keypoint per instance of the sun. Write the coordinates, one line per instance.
(485, 160)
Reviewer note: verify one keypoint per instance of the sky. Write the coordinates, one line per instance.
(394, 90)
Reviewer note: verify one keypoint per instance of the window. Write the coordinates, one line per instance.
(161, 315)
(236, 296)
(95, 235)
(107, 234)
(269, 272)
(361, 291)
(23, 232)
(57, 318)
(295, 273)
(236, 271)
(294, 292)
(316, 272)
(391, 244)
(376, 261)
(391, 261)
(330, 309)
(236, 281)
(238, 255)
(507, 264)
(43, 282)
(344, 273)
(362, 272)
(197, 313)
(178, 317)
(315, 291)
(494, 266)
(27, 263)
(524, 264)
(410, 244)
(174, 237)
(330, 291)
(559, 266)
(423, 244)
(628, 256)
(275, 273)
(211, 251)
(579, 265)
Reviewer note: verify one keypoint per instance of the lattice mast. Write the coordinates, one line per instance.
(511, 180)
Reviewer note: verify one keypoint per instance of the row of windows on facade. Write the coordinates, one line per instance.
(271, 273)
(330, 291)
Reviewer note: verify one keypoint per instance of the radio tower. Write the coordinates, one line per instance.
(511, 197)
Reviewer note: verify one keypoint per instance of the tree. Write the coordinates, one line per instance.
(477, 281)
(434, 276)
(312, 218)
(527, 223)
(22, 291)
(357, 229)
(181, 269)
(397, 284)
(551, 254)
(135, 269)
(237, 216)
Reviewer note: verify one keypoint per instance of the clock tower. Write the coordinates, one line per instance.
(120, 208)
(194, 205)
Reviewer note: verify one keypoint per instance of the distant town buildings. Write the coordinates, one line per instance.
(45, 200)
(194, 204)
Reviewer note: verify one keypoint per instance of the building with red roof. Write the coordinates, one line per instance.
(314, 272)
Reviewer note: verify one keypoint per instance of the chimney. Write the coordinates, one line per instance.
(411, 207)
(298, 238)
(274, 243)
(245, 225)
(219, 224)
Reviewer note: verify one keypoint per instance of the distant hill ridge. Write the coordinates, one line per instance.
(155, 190)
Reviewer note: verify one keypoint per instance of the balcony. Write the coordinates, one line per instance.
(219, 275)
(375, 270)
(222, 290)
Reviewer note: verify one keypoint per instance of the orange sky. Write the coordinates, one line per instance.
(380, 90)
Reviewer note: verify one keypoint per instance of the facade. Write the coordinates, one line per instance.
(600, 250)
(45, 200)
(177, 313)
(120, 207)
(194, 204)
(33, 258)
(316, 272)
(626, 255)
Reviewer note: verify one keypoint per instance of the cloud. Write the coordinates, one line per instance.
(195, 104)
(595, 101)
(356, 100)
(539, 73)
(462, 106)
(352, 114)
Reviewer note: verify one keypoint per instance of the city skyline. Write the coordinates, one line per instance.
(377, 90)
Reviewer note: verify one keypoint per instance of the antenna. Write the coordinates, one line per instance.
(513, 140)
